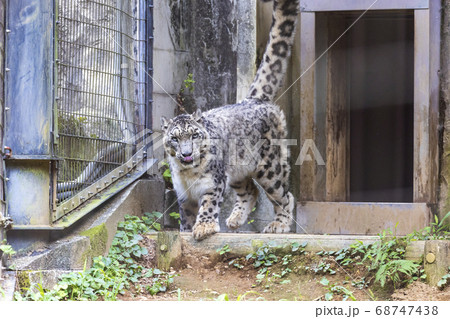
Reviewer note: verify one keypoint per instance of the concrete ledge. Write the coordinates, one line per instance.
(65, 254)
(93, 237)
(247, 243)
(243, 244)
(46, 278)
(361, 218)
(8, 283)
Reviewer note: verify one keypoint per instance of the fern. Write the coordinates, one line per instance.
(396, 271)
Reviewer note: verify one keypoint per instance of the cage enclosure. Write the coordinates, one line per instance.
(78, 96)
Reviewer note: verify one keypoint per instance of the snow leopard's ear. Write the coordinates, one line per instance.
(165, 123)
(197, 116)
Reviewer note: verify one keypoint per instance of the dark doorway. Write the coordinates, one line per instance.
(381, 97)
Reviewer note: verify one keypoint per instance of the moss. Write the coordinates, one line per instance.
(98, 237)
(257, 243)
(23, 280)
(445, 176)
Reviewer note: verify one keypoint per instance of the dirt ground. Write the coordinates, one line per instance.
(206, 278)
(421, 291)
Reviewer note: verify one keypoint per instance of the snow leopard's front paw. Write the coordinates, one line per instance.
(201, 230)
(277, 227)
(236, 219)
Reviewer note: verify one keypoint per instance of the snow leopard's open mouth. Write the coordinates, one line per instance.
(187, 160)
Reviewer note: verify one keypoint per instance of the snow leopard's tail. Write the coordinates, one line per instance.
(270, 74)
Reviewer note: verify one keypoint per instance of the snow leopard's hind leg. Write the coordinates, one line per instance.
(246, 194)
(273, 176)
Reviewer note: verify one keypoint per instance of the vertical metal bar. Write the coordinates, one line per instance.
(149, 66)
(3, 212)
(55, 136)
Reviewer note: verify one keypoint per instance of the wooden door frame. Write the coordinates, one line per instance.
(322, 206)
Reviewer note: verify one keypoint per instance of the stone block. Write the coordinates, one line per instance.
(436, 260)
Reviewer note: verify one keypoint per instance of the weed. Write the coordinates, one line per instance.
(436, 231)
(384, 259)
(236, 263)
(160, 282)
(225, 297)
(189, 82)
(113, 274)
(225, 249)
(398, 271)
(298, 248)
(175, 216)
(167, 174)
(150, 220)
(361, 284)
(444, 281)
(264, 258)
(323, 268)
(7, 249)
(334, 289)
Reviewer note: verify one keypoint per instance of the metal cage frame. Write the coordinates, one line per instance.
(103, 104)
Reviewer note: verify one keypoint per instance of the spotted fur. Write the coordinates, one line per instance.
(236, 145)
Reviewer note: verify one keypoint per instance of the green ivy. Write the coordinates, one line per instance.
(113, 274)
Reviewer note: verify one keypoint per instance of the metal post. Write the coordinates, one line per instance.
(2, 107)
(28, 119)
(149, 71)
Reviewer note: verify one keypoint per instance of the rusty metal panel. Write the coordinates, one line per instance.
(361, 218)
(28, 109)
(348, 5)
(33, 179)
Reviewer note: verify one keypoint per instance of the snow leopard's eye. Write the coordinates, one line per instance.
(174, 139)
(195, 135)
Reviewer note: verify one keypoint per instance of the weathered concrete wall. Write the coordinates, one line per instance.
(445, 110)
(208, 31)
(246, 48)
(219, 42)
(209, 39)
(169, 64)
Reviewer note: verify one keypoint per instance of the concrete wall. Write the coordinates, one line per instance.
(213, 40)
(221, 44)
(218, 42)
(444, 206)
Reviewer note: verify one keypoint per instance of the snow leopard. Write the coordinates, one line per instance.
(236, 145)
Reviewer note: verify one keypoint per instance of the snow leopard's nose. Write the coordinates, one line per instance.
(186, 154)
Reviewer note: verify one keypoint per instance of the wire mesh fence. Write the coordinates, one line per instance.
(101, 86)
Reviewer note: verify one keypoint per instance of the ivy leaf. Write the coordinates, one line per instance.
(324, 281)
